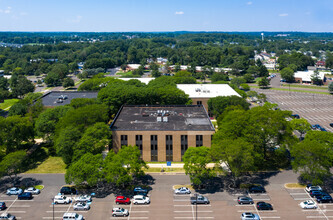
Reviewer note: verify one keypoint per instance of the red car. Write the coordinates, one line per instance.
(122, 200)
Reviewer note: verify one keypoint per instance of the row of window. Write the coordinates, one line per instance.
(168, 145)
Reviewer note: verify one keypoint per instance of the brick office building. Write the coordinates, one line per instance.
(162, 133)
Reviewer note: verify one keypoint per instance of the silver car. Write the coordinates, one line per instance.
(32, 190)
(14, 191)
(119, 212)
(183, 190)
(249, 216)
(81, 206)
(83, 198)
(7, 216)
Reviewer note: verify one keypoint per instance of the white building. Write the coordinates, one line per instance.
(305, 76)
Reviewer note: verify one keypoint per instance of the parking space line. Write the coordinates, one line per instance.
(21, 206)
(191, 217)
(192, 205)
(191, 211)
(319, 209)
(139, 211)
(180, 200)
(270, 217)
(130, 209)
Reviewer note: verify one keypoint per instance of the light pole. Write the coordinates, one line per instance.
(52, 208)
(196, 206)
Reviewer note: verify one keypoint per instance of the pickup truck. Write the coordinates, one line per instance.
(199, 200)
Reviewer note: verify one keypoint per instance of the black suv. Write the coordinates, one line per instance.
(257, 189)
(264, 206)
(67, 190)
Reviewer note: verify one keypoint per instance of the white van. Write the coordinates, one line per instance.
(72, 216)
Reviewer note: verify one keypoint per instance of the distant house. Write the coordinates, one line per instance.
(80, 65)
(305, 76)
(321, 65)
(2, 73)
(162, 60)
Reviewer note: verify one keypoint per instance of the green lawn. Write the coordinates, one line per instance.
(166, 170)
(294, 90)
(50, 165)
(8, 103)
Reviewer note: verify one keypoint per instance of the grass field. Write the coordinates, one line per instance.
(50, 165)
(166, 170)
(8, 103)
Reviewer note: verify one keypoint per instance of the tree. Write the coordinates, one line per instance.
(195, 165)
(12, 164)
(20, 85)
(18, 109)
(263, 82)
(245, 87)
(301, 125)
(248, 78)
(237, 155)
(87, 170)
(4, 84)
(94, 140)
(68, 82)
(218, 104)
(237, 81)
(177, 68)
(330, 87)
(139, 71)
(313, 159)
(288, 74)
(316, 79)
(66, 141)
(52, 79)
(219, 77)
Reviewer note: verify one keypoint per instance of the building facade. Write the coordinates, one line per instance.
(162, 133)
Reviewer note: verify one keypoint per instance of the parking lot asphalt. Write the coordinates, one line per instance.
(316, 108)
(166, 205)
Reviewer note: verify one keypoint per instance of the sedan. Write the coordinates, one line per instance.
(138, 199)
(14, 191)
(324, 199)
(140, 189)
(257, 189)
(308, 204)
(83, 198)
(183, 190)
(122, 200)
(309, 188)
(264, 206)
(32, 190)
(7, 216)
(81, 206)
(25, 196)
(244, 200)
(249, 215)
(119, 212)
(3, 206)
(315, 193)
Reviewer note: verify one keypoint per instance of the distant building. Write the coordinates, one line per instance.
(201, 93)
(80, 65)
(161, 60)
(57, 98)
(305, 76)
(162, 133)
(321, 65)
(2, 73)
(143, 80)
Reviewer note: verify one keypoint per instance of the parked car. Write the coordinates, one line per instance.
(249, 215)
(295, 116)
(32, 190)
(7, 216)
(67, 190)
(331, 124)
(257, 189)
(323, 129)
(123, 200)
(310, 187)
(25, 196)
(315, 193)
(119, 212)
(60, 199)
(324, 198)
(141, 193)
(83, 198)
(316, 127)
(3, 206)
(199, 200)
(72, 216)
(308, 204)
(81, 206)
(139, 199)
(140, 189)
(14, 191)
(264, 206)
(244, 200)
(183, 190)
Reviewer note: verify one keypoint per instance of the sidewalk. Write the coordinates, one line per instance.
(173, 165)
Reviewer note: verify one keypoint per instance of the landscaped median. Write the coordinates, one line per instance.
(294, 186)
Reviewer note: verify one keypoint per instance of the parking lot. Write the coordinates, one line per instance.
(316, 108)
(167, 205)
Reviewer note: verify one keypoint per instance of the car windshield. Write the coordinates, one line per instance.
(76, 215)
(122, 209)
(64, 197)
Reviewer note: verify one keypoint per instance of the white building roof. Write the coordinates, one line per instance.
(143, 80)
(306, 75)
(207, 90)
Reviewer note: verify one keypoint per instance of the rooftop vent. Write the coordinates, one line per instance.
(165, 119)
(198, 90)
(159, 119)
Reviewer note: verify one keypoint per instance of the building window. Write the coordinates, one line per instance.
(168, 147)
(199, 102)
(198, 140)
(183, 144)
(138, 142)
(153, 147)
(123, 140)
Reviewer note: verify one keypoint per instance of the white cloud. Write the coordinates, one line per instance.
(249, 3)
(6, 11)
(179, 13)
(283, 15)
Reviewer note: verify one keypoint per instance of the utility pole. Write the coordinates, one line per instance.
(53, 208)
(196, 206)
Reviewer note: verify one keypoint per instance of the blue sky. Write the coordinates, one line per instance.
(166, 15)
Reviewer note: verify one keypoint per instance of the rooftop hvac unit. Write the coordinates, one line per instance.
(159, 119)
(198, 90)
(165, 119)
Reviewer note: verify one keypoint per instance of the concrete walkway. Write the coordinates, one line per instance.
(173, 165)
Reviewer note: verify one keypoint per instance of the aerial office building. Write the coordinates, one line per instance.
(162, 133)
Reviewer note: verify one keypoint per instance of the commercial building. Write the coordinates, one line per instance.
(305, 76)
(57, 98)
(201, 93)
(162, 133)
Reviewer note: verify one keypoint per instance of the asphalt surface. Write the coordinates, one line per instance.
(166, 205)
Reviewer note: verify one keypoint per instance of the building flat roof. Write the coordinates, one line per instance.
(162, 118)
(207, 90)
(143, 80)
(50, 99)
(306, 75)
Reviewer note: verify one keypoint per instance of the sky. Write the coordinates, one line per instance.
(166, 15)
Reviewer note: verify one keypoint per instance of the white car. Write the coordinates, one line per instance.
(119, 212)
(72, 216)
(32, 190)
(60, 199)
(7, 216)
(139, 199)
(81, 206)
(14, 191)
(83, 198)
(308, 204)
(183, 190)
(249, 215)
(310, 188)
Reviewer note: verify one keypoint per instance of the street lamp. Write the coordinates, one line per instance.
(196, 206)
(53, 208)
